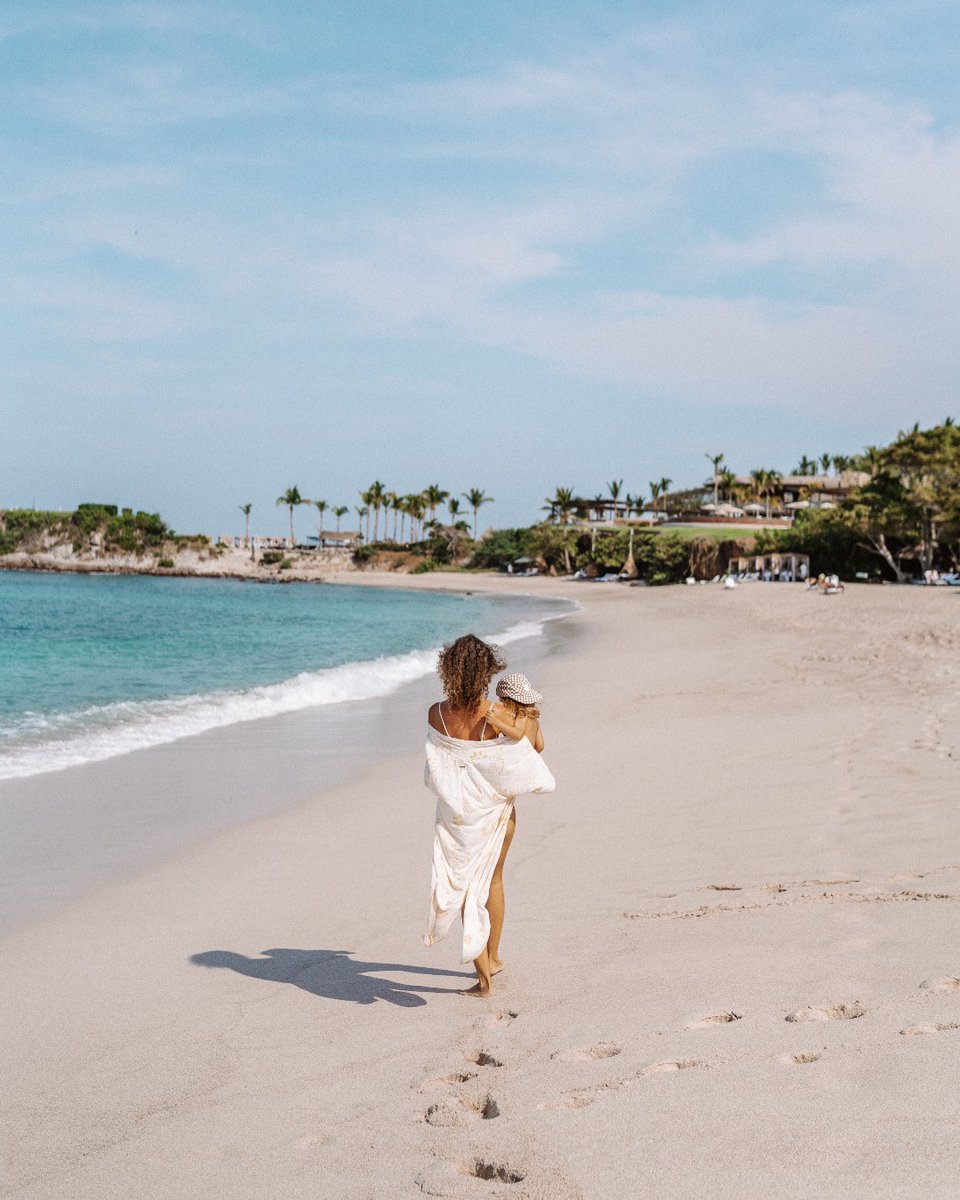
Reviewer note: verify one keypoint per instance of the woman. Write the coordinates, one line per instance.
(477, 770)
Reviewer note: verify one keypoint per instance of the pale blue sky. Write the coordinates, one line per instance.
(250, 245)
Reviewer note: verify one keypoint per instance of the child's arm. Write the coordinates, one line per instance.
(502, 721)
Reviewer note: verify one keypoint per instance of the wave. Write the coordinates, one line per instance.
(54, 742)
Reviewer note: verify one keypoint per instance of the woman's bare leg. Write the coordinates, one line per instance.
(488, 963)
(495, 901)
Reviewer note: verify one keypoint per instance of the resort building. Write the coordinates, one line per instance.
(790, 493)
(337, 539)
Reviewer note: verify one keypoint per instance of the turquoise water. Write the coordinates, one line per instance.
(95, 665)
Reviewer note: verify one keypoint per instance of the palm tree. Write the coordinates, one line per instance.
(375, 496)
(433, 497)
(773, 480)
(873, 459)
(453, 508)
(361, 513)
(758, 480)
(614, 488)
(321, 507)
(245, 509)
(764, 482)
(475, 498)
(291, 498)
(561, 505)
(417, 512)
(654, 493)
(391, 504)
(664, 489)
(727, 481)
(338, 513)
(716, 459)
(825, 461)
(806, 466)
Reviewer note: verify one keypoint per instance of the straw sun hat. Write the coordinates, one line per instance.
(518, 687)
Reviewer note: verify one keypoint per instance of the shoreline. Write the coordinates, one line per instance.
(57, 823)
(741, 888)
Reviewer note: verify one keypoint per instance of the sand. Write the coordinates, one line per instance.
(732, 963)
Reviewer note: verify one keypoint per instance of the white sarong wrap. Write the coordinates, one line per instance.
(475, 784)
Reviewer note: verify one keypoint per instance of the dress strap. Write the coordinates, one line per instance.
(440, 714)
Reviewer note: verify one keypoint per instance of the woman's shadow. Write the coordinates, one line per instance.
(329, 973)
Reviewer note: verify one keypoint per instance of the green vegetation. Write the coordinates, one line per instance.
(904, 521)
(89, 527)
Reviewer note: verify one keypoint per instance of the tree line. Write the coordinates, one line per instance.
(412, 514)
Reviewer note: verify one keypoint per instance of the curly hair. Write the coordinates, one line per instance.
(466, 667)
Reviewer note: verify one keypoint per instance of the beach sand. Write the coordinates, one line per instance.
(732, 963)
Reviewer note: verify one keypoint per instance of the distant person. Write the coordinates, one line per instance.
(480, 758)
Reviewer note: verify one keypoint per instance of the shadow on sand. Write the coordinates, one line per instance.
(332, 974)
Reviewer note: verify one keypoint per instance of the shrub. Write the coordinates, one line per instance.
(363, 554)
(428, 564)
(670, 557)
(100, 510)
(285, 564)
(270, 558)
(165, 562)
(501, 547)
(824, 534)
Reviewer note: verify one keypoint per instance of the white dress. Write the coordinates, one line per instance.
(476, 783)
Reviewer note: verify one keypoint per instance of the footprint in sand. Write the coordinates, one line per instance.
(493, 1172)
(483, 1059)
(800, 1058)
(833, 1012)
(940, 1027)
(448, 1080)
(723, 887)
(660, 1068)
(944, 983)
(461, 1111)
(723, 1018)
(447, 1178)
(587, 1053)
(505, 1017)
(582, 1097)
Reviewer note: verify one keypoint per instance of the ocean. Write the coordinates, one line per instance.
(96, 666)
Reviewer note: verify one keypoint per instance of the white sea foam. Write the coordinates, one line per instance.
(53, 742)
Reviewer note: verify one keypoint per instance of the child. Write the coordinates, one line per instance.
(517, 715)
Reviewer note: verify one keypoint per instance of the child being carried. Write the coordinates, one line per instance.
(517, 715)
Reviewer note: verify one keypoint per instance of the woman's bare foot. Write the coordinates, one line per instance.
(477, 990)
(496, 966)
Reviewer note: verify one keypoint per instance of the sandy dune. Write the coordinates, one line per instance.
(732, 958)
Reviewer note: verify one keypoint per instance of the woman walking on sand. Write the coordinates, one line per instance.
(480, 758)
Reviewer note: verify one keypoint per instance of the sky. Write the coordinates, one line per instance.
(251, 245)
